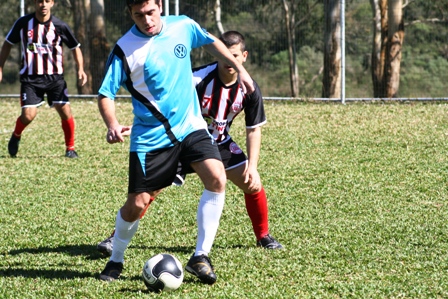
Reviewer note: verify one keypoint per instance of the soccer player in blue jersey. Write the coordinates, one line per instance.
(42, 36)
(222, 100)
(152, 61)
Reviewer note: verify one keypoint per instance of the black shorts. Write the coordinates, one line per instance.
(156, 170)
(232, 156)
(32, 91)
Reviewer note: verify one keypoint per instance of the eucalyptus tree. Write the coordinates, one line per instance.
(331, 83)
(90, 28)
(388, 37)
(99, 46)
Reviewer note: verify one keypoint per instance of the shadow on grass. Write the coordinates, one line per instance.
(185, 249)
(91, 253)
(188, 279)
(50, 273)
(81, 250)
(74, 250)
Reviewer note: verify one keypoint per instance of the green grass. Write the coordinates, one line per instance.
(357, 195)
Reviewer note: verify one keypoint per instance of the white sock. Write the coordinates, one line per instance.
(124, 231)
(209, 212)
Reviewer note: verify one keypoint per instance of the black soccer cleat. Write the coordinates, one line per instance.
(269, 242)
(13, 145)
(201, 267)
(112, 271)
(105, 247)
(71, 154)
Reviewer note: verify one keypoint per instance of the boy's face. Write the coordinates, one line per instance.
(43, 7)
(147, 17)
(239, 55)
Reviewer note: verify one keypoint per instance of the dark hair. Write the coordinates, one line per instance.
(131, 3)
(231, 38)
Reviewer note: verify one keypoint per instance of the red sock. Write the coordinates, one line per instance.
(142, 214)
(68, 126)
(19, 127)
(146, 208)
(257, 208)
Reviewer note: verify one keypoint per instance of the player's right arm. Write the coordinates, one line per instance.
(113, 79)
(115, 131)
(4, 53)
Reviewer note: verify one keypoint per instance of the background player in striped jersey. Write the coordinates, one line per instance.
(222, 99)
(42, 36)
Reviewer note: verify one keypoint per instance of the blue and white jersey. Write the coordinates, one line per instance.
(157, 73)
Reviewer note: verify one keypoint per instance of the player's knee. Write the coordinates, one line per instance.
(27, 118)
(134, 206)
(220, 182)
(216, 183)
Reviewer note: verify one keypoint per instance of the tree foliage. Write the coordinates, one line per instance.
(425, 49)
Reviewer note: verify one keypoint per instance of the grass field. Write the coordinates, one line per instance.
(358, 195)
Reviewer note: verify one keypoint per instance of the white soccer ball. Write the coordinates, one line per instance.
(163, 272)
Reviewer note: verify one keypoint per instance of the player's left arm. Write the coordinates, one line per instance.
(253, 145)
(79, 59)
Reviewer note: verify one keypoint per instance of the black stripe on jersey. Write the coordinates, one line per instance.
(120, 54)
(35, 39)
(45, 41)
(217, 90)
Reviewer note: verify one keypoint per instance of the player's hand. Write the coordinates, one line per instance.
(82, 78)
(246, 82)
(116, 134)
(126, 130)
(252, 178)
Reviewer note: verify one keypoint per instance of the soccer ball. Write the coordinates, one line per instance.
(163, 272)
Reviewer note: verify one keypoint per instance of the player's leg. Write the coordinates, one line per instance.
(106, 246)
(57, 98)
(126, 224)
(30, 99)
(235, 162)
(142, 186)
(201, 153)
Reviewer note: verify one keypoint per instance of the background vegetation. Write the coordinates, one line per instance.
(425, 51)
(357, 194)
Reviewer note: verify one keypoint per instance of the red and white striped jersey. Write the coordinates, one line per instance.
(41, 44)
(221, 104)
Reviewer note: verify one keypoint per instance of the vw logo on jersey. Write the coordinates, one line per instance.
(180, 51)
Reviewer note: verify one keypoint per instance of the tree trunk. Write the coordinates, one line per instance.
(290, 31)
(394, 46)
(99, 47)
(377, 67)
(218, 17)
(384, 29)
(387, 47)
(331, 87)
(81, 33)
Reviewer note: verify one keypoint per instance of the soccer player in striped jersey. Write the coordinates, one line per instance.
(42, 36)
(152, 61)
(222, 99)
